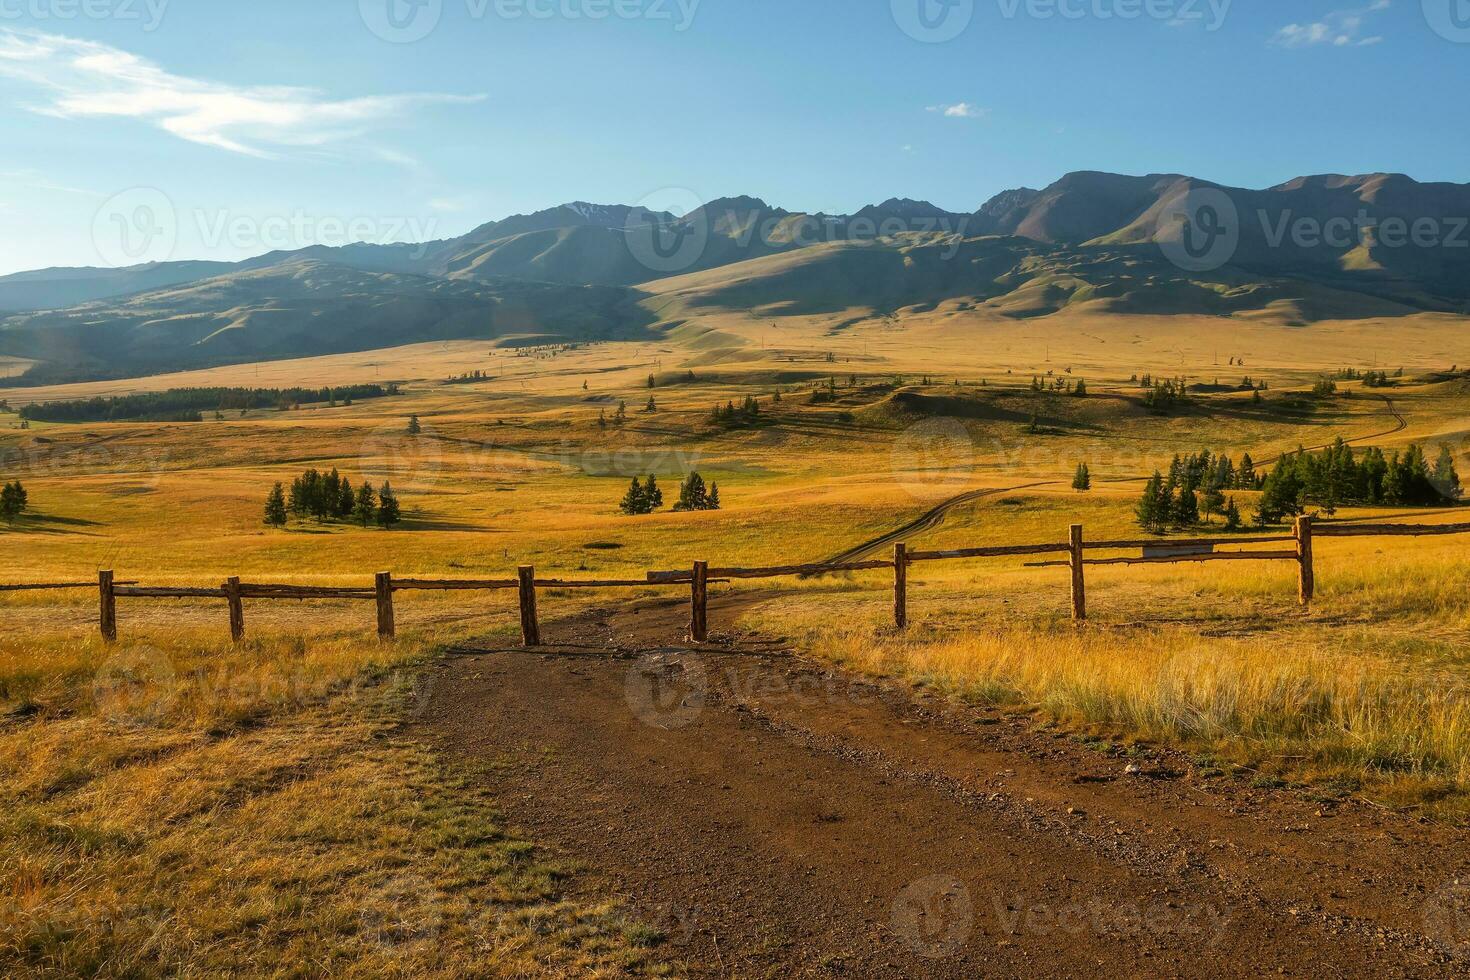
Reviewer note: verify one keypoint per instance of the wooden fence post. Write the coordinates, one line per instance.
(237, 608)
(900, 585)
(699, 603)
(530, 628)
(107, 600)
(1307, 577)
(1079, 581)
(384, 587)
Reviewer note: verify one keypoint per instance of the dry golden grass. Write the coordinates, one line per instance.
(269, 814)
(185, 807)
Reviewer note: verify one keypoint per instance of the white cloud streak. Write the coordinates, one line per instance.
(85, 80)
(1339, 29)
(960, 110)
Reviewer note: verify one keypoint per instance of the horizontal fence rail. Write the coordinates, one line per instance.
(701, 575)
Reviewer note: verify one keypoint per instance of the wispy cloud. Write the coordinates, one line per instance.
(1339, 29)
(960, 110)
(85, 80)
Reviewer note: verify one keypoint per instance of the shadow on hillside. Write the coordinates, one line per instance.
(49, 524)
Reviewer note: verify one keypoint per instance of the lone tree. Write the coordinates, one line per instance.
(1232, 516)
(414, 428)
(275, 507)
(1083, 480)
(389, 513)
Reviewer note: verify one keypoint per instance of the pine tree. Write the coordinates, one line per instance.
(1445, 477)
(652, 405)
(1186, 510)
(346, 499)
(389, 512)
(693, 494)
(651, 382)
(1083, 480)
(635, 501)
(365, 505)
(414, 427)
(653, 495)
(9, 503)
(1081, 390)
(275, 507)
(621, 415)
(1212, 500)
(1147, 511)
(713, 501)
(1232, 516)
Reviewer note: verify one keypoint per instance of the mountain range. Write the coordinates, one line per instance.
(1321, 247)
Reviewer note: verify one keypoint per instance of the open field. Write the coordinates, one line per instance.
(1357, 702)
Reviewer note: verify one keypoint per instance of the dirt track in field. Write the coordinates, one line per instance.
(774, 817)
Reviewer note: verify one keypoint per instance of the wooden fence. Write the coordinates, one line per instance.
(699, 577)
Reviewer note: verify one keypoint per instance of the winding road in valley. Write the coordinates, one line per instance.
(935, 517)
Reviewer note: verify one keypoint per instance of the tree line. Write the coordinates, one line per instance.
(187, 404)
(331, 497)
(1194, 488)
(1337, 476)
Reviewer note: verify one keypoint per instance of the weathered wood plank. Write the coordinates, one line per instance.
(237, 608)
(699, 602)
(1188, 542)
(1387, 530)
(137, 592)
(530, 627)
(384, 589)
(1000, 551)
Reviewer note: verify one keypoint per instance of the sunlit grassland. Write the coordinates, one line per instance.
(262, 806)
(1365, 692)
(177, 805)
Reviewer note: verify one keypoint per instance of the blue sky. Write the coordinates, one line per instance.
(276, 123)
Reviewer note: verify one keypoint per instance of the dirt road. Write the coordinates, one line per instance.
(933, 518)
(777, 818)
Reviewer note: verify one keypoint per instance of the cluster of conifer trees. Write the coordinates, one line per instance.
(749, 411)
(1337, 476)
(331, 497)
(645, 498)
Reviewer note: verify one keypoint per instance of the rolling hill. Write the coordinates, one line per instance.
(299, 308)
(1319, 247)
